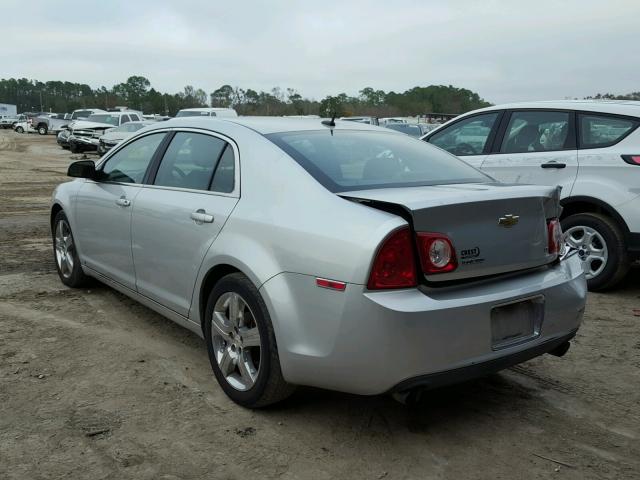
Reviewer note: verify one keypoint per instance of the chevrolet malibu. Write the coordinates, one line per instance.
(333, 254)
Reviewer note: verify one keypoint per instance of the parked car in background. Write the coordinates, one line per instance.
(411, 129)
(590, 148)
(384, 265)
(207, 112)
(8, 121)
(52, 122)
(367, 120)
(85, 134)
(385, 120)
(23, 126)
(428, 127)
(113, 136)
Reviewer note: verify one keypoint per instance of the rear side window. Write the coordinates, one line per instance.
(539, 131)
(224, 178)
(190, 161)
(124, 119)
(344, 160)
(466, 137)
(129, 164)
(597, 131)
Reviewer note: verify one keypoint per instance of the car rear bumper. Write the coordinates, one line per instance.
(366, 342)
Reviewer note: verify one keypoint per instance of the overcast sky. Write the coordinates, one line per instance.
(504, 50)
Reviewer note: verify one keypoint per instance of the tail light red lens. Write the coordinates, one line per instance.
(394, 264)
(555, 236)
(437, 254)
(632, 159)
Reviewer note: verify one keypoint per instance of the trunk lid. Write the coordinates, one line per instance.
(494, 228)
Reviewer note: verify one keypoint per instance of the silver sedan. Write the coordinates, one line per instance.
(332, 254)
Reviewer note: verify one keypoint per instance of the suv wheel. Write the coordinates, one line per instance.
(599, 243)
(242, 345)
(42, 130)
(19, 130)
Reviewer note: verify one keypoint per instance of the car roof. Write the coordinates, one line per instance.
(621, 107)
(267, 125)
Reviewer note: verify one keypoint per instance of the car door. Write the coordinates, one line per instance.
(537, 147)
(179, 214)
(469, 138)
(103, 209)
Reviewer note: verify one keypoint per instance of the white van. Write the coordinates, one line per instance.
(207, 112)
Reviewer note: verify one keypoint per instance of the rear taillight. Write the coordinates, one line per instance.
(436, 253)
(555, 236)
(394, 264)
(632, 159)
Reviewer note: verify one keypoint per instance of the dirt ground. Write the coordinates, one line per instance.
(93, 385)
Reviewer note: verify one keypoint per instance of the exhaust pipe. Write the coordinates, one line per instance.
(561, 349)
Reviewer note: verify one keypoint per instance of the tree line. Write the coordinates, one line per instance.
(137, 93)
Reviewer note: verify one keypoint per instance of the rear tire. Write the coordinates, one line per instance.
(594, 236)
(65, 254)
(19, 130)
(227, 350)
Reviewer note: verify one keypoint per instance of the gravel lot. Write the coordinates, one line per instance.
(93, 385)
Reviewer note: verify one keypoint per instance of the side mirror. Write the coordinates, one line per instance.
(82, 169)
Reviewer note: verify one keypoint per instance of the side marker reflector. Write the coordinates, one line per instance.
(331, 284)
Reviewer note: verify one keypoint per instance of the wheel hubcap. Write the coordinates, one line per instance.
(590, 247)
(64, 248)
(236, 341)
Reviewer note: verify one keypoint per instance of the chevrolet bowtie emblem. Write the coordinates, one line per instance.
(508, 221)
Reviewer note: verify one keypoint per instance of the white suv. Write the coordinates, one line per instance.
(590, 148)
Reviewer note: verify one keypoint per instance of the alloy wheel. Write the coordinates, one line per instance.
(236, 341)
(591, 249)
(65, 248)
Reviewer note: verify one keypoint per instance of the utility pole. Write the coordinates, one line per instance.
(41, 109)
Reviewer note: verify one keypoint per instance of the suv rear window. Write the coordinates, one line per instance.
(344, 160)
(597, 131)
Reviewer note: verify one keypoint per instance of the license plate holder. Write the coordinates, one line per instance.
(516, 322)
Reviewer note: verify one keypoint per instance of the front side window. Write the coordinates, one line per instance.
(345, 160)
(189, 161)
(536, 131)
(466, 137)
(129, 164)
(603, 131)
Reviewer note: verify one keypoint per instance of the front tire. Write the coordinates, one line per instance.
(42, 130)
(65, 253)
(600, 245)
(19, 130)
(241, 344)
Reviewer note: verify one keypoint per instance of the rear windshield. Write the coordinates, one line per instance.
(345, 160)
(194, 113)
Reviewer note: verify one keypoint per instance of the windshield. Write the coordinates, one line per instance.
(128, 127)
(104, 118)
(345, 160)
(192, 113)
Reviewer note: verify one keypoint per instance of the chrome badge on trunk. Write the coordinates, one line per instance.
(508, 220)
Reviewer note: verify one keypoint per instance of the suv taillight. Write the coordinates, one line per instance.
(394, 263)
(632, 159)
(437, 254)
(555, 236)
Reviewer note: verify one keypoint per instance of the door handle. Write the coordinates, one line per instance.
(200, 216)
(123, 202)
(553, 164)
